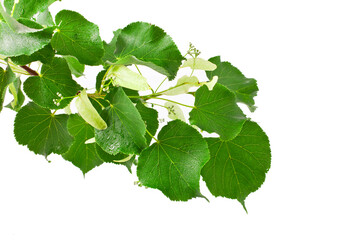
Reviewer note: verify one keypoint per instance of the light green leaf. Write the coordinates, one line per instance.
(217, 111)
(124, 77)
(173, 164)
(88, 112)
(174, 111)
(54, 78)
(182, 86)
(150, 118)
(238, 167)
(83, 156)
(126, 130)
(146, 44)
(45, 18)
(27, 8)
(44, 55)
(211, 84)
(77, 37)
(76, 68)
(6, 77)
(19, 97)
(199, 64)
(43, 132)
(244, 88)
(16, 44)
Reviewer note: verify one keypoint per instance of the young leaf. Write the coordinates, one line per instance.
(244, 88)
(88, 112)
(199, 64)
(217, 111)
(182, 86)
(83, 156)
(173, 164)
(238, 167)
(19, 97)
(150, 117)
(126, 130)
(44, 55)
(45, 18)
(76, 68)
(43, 132)
(146, 44)
(6, 77)
(124, 77)
(78, 37)
(16, 44)
(27, 8)
(55, 78)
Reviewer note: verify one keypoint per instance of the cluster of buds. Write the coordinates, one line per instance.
(57, 101)
(106, 89)
(194, 52)
(139, 184)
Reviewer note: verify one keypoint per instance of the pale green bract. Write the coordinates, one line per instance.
(124, 77)
(127, 118)
(88, 112)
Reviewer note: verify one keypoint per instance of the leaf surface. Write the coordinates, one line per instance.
(76, 68)
(83, 156)
(42, 132)
(44, 55)
(27, 8)
(217, 111)
(126, 129)
(238, 167)
(6, 77)
(55, 78)
(244, 88)
(19, 97)
(78, 37)
(173, 164)
(146, 44)
(150, 118)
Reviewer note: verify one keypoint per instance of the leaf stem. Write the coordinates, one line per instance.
(104, 78)
(174, 102)
(160, 85)
(29, 70)
(152, 90)
(152, 136)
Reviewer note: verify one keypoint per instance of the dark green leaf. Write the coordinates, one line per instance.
(6, 77)
(238, 167)
(44, 55)
(244, 88)
(110, 48)
(77, 37)
(43, 132)
(217, 111)
(99, 79)
(126, 130)
(83, 156)
(146, 44)
(19, 98)
(27, 8)
(55, 78)
(150, 117)
(173, 164)
(76, 68)
(108, 158)
(16, 44)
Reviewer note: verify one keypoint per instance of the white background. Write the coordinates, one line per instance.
(306, 58)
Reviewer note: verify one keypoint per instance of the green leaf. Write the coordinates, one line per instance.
(19, 97)
(244, 88)
(217, 111)
(83, 156)
(77, 37)
(43, 132)
(238, 167)
(45, 18)
(76, 68)
(126, 130)
(27, 8)
(173, 164)
(108, 158)
(16, 44)
(110, 48)
(55, 78)
(44, 55)
(6, 77)
(146, 44)
(150, 117)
